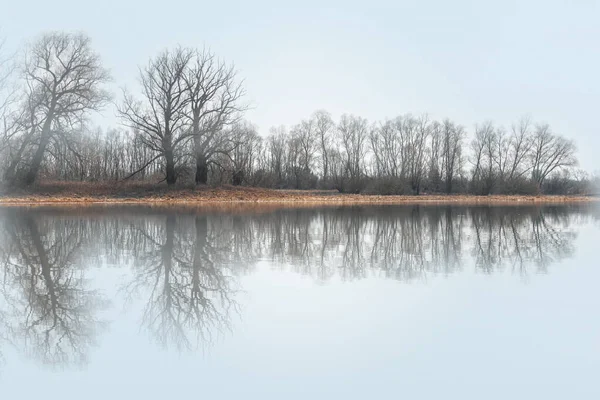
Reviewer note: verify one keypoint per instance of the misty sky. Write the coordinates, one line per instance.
(467, 60)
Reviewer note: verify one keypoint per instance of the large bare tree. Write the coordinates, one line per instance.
(214, 94)
(64, 79)
(550, 153)
(161, 117)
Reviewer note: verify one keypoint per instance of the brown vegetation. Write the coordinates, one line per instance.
(140, 193)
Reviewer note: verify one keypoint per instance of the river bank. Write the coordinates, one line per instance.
(88, 193)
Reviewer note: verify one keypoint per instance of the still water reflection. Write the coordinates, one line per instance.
(74, 283)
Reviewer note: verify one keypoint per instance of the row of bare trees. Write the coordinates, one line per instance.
(409, 155)
(186, 123)
(509, 160)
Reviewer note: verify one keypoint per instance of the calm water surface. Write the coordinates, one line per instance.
(355, 302)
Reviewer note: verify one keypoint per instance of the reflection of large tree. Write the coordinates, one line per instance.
(51, 310)
(190, 295)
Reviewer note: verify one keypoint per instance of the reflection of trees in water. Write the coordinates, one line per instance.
(49, 308)
(417, 242)
(400, 243)
(352, 242)
(517, 240)
(409, 242)
(185, 263)
(190, 289)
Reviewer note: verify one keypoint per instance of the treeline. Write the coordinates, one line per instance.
(186, 124)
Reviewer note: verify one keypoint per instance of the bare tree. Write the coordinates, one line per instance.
(434, 175)
(64, 79)
(245, 152)
(277, 152)
(386, 142)
(452, 138)
(306, 135)
(353, 135)
(550, 152)
(484, 156)
(417, 143)
(214, 99)
(161, 116)
(293, 161)
(519, 150)
(324, 127)
(502, 156)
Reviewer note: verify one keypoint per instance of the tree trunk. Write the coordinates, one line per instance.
(201, 161)
(38, 157)
(201, 170)
(238, 178)
(171, 177)
(448, 186)
(417, 187)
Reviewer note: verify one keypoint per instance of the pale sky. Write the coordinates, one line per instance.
(470, 61)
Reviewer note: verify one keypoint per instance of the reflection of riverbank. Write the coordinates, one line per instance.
(185, 263)
(372, 236)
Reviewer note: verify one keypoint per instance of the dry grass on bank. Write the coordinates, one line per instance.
(143, 193)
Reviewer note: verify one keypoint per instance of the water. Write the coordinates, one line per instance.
(356, 302)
